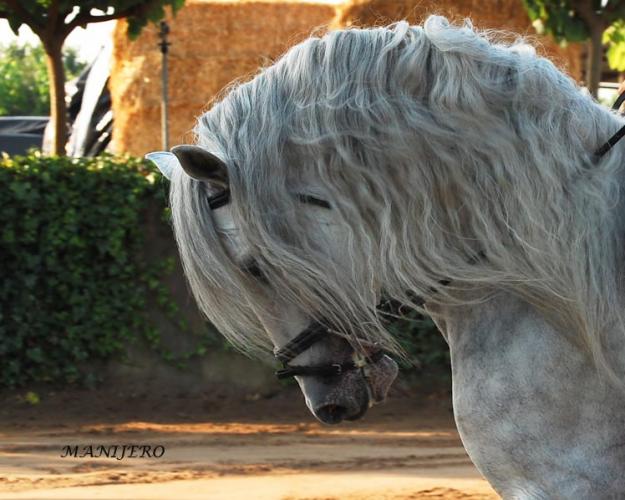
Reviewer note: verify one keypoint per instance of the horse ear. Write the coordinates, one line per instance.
(165, 161)
(202, 165)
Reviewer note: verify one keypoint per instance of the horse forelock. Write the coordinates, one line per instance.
(435, 144)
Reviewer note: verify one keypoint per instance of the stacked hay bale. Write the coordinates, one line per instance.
(212, 44)
(216, 42)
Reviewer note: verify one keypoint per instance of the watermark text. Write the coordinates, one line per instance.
(115, 451)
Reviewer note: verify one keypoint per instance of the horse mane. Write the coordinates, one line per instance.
(435, 144)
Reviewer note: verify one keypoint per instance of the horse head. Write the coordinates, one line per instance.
(339, 378)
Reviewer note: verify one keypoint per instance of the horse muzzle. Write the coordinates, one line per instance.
(349, 395)
(341, 390)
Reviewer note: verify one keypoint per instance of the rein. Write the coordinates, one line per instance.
(620, 133)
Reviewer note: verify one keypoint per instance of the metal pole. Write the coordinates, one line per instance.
(164, 46)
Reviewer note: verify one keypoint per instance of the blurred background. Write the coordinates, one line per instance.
(100, 341)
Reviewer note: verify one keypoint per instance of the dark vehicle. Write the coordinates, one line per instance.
(20, 133)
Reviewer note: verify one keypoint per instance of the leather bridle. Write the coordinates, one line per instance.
(618, 135)
(307, 338)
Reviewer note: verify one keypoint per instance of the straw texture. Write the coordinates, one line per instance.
(212, 44)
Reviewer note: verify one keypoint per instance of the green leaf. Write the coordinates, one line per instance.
(24, 81)
(557, 18)
(614, 38)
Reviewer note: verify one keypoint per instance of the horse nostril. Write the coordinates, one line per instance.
(331, 414)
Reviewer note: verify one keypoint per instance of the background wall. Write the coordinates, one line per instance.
(218, 368)
(215, 43)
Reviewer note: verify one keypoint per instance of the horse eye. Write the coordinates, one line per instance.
(253, 270)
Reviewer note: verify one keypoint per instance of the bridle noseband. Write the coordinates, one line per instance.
(310, 336)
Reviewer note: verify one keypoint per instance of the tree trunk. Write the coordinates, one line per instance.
(594, 60)
(58, 107)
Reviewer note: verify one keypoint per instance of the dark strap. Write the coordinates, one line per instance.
(619, 133)
(293, 348)
(619, 101)
(332, 370)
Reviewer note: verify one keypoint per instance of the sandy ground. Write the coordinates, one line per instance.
(224, 448)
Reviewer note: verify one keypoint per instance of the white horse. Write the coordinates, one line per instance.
(384, 161)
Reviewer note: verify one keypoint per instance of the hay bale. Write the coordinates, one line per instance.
(216, 42)
(213, 43)
(507, 15)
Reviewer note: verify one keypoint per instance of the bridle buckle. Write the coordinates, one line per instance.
(359, 360)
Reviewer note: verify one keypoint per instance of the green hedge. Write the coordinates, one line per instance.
(74, 285)
(426, 348)
(72, 289)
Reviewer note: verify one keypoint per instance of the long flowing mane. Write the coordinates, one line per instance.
(437, 144)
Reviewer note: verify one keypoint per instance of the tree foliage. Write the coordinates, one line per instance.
(598, 22)
(57, 309)
(558, 19)
(61, 17)
(614, 38)
(24, 84)
(53, 20)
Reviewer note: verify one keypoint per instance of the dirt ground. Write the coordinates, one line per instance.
(219, 446)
